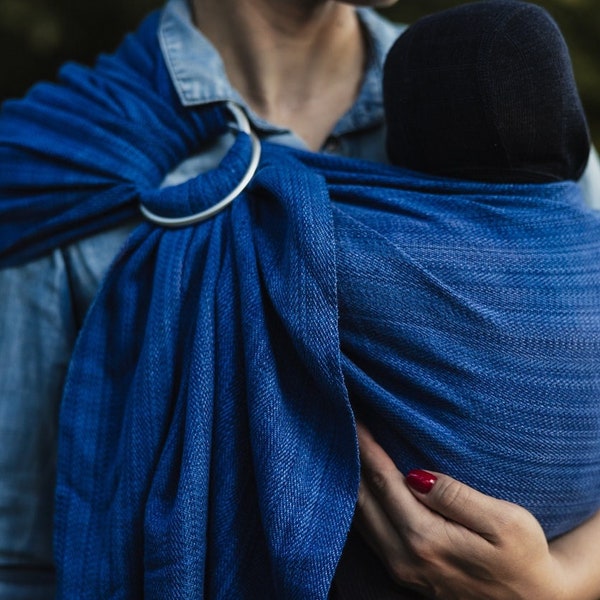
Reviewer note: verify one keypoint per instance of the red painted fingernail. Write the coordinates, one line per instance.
(421, 481)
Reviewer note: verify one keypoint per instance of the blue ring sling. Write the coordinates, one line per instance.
(207, 434)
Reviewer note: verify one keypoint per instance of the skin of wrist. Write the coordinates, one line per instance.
(570, 582)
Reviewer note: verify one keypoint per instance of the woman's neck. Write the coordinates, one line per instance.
(298, 63)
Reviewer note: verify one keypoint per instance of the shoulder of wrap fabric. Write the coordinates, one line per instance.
(77, 154)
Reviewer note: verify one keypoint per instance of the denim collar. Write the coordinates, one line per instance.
(199, 77)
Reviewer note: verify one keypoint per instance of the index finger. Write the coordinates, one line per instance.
(385, 480)
(410, 512)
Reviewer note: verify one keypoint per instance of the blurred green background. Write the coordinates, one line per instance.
(36, 36)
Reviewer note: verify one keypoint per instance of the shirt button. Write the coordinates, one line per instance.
(332, 145)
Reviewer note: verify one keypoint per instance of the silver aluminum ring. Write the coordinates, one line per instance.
(243, 125)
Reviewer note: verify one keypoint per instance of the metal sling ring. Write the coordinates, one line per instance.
(243, 125)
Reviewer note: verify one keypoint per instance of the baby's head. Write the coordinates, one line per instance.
(485, 91)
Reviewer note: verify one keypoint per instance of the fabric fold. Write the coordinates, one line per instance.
(214, 411)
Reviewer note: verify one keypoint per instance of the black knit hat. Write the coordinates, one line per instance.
(485, 91)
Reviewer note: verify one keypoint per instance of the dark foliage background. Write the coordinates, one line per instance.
(36, 36)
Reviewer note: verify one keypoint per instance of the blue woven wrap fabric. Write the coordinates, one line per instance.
(207, 432)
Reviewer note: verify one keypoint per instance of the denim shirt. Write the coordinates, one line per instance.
(43, 303)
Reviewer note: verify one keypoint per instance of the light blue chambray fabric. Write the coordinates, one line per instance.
(43, 304)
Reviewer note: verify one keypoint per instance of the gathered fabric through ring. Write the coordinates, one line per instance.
(242, 126)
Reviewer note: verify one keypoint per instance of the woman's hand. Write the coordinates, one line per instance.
(448, 541)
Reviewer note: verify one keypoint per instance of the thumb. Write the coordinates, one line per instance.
(458, 502)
